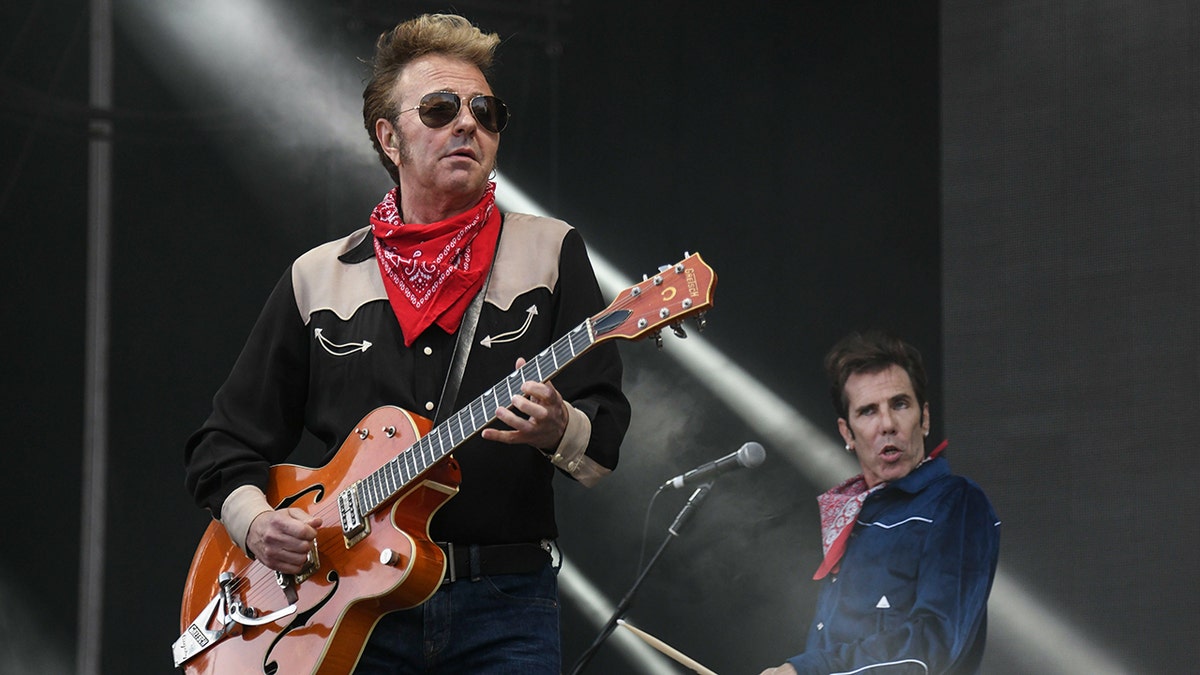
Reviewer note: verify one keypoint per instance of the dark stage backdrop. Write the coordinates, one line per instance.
(794, 145)
(1070, 286)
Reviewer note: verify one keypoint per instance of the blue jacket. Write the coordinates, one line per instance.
(911, 593)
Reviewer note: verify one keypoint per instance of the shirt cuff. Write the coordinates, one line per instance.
(240, 509)
(570, 455)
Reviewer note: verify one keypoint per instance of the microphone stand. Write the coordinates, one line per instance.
(684, 514)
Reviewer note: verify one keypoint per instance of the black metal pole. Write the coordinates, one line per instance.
(95, 418)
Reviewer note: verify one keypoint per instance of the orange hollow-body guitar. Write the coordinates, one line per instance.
(372, 554)
(338, 604)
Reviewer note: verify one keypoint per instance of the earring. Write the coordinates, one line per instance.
(848, 448)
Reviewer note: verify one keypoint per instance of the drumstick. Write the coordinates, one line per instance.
(666, 649)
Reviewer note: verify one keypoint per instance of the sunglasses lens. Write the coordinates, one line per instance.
(491, 113)
(439, 109)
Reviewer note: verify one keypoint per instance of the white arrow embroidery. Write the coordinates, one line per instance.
(510, 336)
(341, 350)
(883, 603)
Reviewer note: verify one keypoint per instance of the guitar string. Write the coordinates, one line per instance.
(263, 580)
(264, 573)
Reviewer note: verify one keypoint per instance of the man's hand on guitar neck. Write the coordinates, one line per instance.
(282, 540)
(542, 420)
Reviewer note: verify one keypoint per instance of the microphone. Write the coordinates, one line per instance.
(748, 456)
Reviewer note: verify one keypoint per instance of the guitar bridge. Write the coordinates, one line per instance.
(287, 582)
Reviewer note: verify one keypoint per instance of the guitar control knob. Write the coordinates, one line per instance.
(389, 557)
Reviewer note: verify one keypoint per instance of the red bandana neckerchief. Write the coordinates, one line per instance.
(432, 272)
(839, 512)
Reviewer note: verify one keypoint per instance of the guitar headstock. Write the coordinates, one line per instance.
(675, 293)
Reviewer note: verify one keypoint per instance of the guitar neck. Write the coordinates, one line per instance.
(384, 483)
(676, 292)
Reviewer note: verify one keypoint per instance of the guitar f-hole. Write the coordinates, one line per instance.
(288, 501)
(270, 666)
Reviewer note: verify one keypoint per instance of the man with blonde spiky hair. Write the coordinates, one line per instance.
(385, 316)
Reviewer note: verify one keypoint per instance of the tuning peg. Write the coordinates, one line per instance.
(679, 331)
(702, 321)
(658, 341)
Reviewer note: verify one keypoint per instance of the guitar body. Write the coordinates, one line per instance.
(350, 588)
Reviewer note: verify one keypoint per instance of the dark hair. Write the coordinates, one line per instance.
(447, 34)
(871, 352)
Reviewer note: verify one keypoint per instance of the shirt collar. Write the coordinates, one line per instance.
(362, 251)
(365, 249)
(923, 475)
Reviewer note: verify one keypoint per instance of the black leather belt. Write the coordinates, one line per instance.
(466, 561)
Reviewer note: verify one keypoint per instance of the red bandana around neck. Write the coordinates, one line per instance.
(432, 271)
(839, 512)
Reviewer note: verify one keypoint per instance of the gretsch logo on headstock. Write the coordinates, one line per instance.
(693, 285)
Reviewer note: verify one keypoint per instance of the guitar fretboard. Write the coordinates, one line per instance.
(385, 482)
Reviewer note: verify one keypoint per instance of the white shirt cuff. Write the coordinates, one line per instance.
(240, 509)
(570, 455)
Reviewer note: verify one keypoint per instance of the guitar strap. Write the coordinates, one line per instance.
(462, 346)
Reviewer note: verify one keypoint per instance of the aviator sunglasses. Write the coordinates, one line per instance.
(439, 108)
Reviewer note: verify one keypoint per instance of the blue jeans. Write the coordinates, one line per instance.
(501, 624)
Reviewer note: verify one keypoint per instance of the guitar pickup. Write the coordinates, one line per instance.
(354, 526)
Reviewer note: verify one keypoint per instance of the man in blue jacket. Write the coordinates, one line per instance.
(910, 549)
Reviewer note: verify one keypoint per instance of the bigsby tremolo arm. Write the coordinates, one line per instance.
(221, 617)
